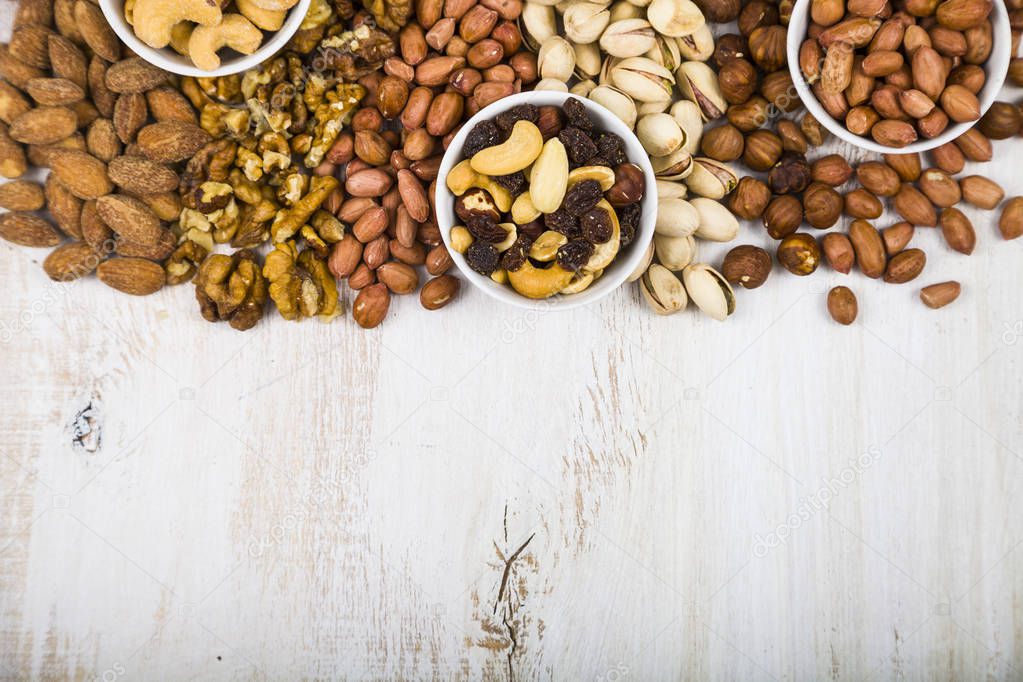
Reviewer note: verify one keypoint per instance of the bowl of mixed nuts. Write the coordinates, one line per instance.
(546, 200)
(898, 77)
(205, 38)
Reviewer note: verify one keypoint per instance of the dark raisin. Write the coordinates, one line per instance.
(564, 222)
(581, 197)
(628, 222)
(515, 257)
(575, 113)
(579, 146)
(482, 257)
(524, 112)
(532, 230)
(574, 255)
(515, 183)
(596, 225)
(484, 134)
(485, 228)
(611, 148)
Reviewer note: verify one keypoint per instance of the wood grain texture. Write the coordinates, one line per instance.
(482, 493)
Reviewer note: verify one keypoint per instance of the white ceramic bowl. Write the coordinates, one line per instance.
(624, 264)
(995, 68)
(230, 61)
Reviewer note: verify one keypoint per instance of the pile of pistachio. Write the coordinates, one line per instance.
(646, 63)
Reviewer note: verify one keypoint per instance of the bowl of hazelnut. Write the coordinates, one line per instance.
(898, 77)
(546, 200)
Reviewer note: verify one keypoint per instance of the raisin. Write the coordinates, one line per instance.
(482, 257)
(628, 222)
(611, 148)
(515, 183)
(485, 228)
(575, 113)
(515, 257)
(574, 255)
(596, 225)
(564, 222)
(581, 197)
(579, 146)
(532, 230)
(506, 120)
(484, 134)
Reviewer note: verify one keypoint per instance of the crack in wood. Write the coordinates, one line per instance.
(86, 432)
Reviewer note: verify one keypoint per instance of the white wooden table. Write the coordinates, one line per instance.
(483, 493)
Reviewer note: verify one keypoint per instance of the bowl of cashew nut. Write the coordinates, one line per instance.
(205, 37)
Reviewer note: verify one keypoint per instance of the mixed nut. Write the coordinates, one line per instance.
(547, 200)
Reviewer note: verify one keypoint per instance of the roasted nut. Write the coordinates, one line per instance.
(750, 198)
(905, 266)
(799, 253)
(897, 237)
(370, 306)
(915, 207)
(981, 191)
(1003, 120)
(860, 203)
(783, 216)
(662, 290)
(822, 205)
(763, 149)
(869, 248)
(439, 291)
(940, 295)
(709, 290)
(838, 251)
(832, 170)
(957, 230)
(746, 265)
(842, 305)
(723, 143)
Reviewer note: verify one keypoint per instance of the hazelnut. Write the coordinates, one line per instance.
(1002, 121)
(737, 79)
(724, 143)
(790, 175)
(792, 138)
(783, 216)
(767, 47)
(799, 254)
(720, 11)
(746, 265)
(628, 187)
(550, 121)
(778, 89)
(756, 14)
(750, 198)
(749, 115)
(730, 46)
(822, 205)
(763, 149)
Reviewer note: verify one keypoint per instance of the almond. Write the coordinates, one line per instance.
(34, 12)
(64, 206)
(981, 192)
(29, 45)
(54, 92)
(27, 229)
(100, 95)
(12, 156)
(135, 276)
(134, 75)
(80, 172)
(914, 207)
(167, 104)
(44, 125)
(96, 31)
(94, 231)
(940, 295)
(139, 175)
(1010, 224)
(64, 20)
(869, 248)
(130, 218)
(12, 102)
(155, 251)
(166, 205)
(22, 195)
(68, 61)
(905, 266)
(130, 114)
(102, 141)
(958, 230)
(16, 72)
(170, 141)
(71, 261)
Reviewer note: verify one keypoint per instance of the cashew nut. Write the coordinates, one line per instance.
(546, 246)
(532, 282)
(266, 19)
(602, 174)
(500, 276)
(580, 282)
(462, 178)
(521, 148)
(155, 19)
(275, 5)
(234, 31)
(507, 242)
(604, 253)
(180, 34)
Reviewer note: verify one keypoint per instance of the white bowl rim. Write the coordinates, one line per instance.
(995, 68)
(616, 274)
(169, 60)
